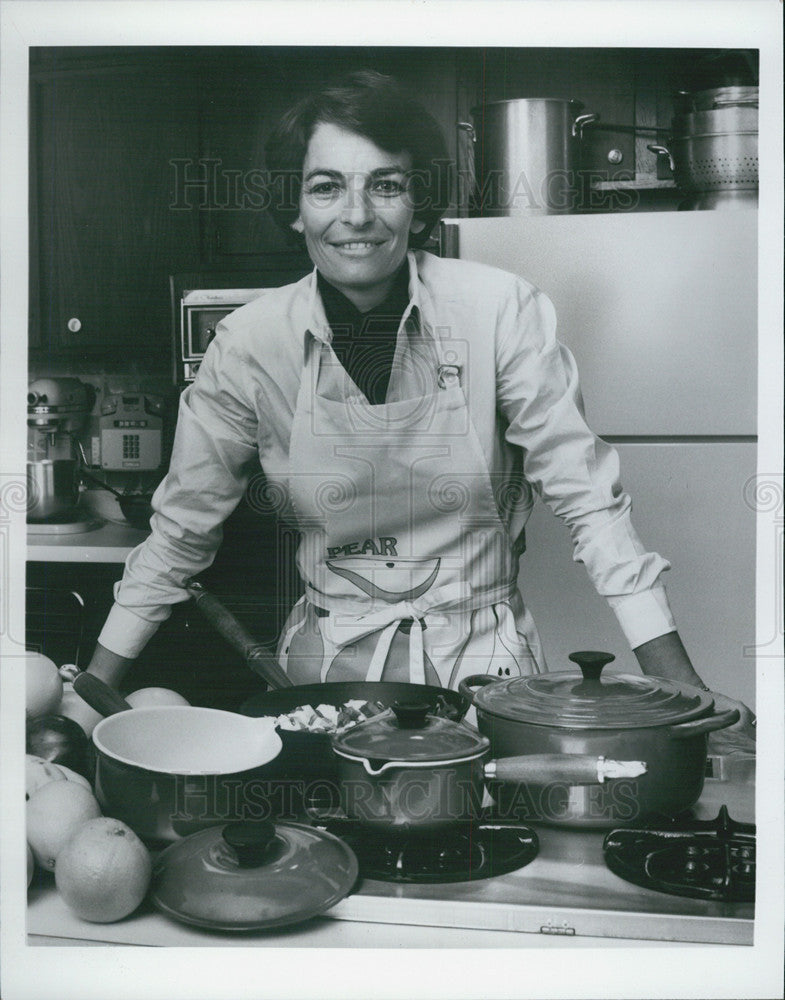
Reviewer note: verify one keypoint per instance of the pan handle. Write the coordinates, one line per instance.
(99, 695)
(565, 768)
(475, 681)
(683, 730)
(257, 656)
(663, 151)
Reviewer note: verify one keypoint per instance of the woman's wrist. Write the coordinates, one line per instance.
(666, 657)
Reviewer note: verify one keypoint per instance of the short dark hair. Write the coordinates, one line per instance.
(380, 109)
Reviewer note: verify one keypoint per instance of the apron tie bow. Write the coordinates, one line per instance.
(346, 629)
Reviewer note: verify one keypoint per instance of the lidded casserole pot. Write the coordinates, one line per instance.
(622, 716)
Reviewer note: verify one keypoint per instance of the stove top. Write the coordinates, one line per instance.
(702, 859)
(469, 852)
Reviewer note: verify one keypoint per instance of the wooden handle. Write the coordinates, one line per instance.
(99, 695)
(568, 769)
(257, 656)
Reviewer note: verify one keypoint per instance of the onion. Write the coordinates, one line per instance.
(61, 741)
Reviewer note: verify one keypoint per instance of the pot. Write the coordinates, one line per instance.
(307, 772)
(407, 772)
(621, 716)
(528, 152)
(136, 508)
(52, 489)
(169, 771)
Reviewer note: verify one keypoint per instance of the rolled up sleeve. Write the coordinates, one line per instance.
(574, 471)
(214, 450)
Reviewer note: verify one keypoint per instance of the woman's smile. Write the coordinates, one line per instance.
(355, 212)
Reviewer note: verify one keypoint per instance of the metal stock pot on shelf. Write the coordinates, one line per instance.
(621, 716)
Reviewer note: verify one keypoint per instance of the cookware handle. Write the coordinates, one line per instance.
(683, 730)
(476, 680)
(581, 122)
(569, 769)
(257, 656)
(663, 151)
(98, 695)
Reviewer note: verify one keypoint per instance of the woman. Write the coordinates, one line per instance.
(403, 408)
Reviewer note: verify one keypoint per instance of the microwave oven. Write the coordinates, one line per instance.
(201, 301)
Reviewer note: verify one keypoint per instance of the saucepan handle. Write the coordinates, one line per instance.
(569, 769)
(683, 730)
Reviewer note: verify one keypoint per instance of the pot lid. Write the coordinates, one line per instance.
(407, 733)
(252, 875)
(585, 700)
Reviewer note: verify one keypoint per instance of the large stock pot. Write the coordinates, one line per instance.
(526, 155)
(621, 716)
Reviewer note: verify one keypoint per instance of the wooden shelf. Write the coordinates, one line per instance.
(639, 184)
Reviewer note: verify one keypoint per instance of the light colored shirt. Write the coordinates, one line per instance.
(522, 394)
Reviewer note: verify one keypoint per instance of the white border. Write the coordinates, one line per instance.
(715, 972)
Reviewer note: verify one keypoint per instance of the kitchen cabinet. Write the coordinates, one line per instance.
(243, 91)
(105, 232)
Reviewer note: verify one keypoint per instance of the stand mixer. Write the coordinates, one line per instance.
(57, 409)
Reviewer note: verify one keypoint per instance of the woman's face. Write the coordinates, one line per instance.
(355, 212)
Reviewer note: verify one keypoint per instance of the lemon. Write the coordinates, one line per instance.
(53, 813)
(145, 697)
(43, 685)
(39, 772)
(104, 871)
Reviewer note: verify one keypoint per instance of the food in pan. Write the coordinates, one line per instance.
(332, 719)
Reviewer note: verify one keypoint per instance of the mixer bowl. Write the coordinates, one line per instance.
(52, 488)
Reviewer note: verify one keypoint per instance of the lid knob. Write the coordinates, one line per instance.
(591, 663)
(250, 840)
(411, 714)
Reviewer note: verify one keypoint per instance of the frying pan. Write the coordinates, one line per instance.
(308, 757)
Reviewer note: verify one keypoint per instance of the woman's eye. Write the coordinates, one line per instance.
(323, 189)
(388, 188)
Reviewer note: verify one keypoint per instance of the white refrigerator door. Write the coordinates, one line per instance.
(692, 504)
(659, 308)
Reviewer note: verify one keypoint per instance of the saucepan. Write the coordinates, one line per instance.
(621, 716)
(409, 772)
(169, 771)
(136, 508)
(306, 757)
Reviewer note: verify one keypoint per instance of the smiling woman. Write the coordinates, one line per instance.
(405, 408)
(355, 213)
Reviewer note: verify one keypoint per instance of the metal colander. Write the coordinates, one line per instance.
(713, 162)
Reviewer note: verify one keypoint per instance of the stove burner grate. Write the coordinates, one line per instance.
(472, 851)
(704, 859)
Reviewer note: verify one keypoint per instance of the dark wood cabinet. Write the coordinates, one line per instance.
(148, 162)
(105, 232)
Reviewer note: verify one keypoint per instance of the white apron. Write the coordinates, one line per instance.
(408, 568)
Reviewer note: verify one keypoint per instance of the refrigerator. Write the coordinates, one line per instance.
(660, 311)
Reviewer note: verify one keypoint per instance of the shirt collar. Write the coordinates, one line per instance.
(317, 325)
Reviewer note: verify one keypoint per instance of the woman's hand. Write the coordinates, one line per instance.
(738, 738)
(108, 666)
(666, 656)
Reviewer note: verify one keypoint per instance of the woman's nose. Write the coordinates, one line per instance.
(357, 209)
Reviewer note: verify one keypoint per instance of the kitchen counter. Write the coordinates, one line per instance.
(565, 897)
(110, 542)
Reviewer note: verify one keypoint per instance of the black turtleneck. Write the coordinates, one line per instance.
(364, 342)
